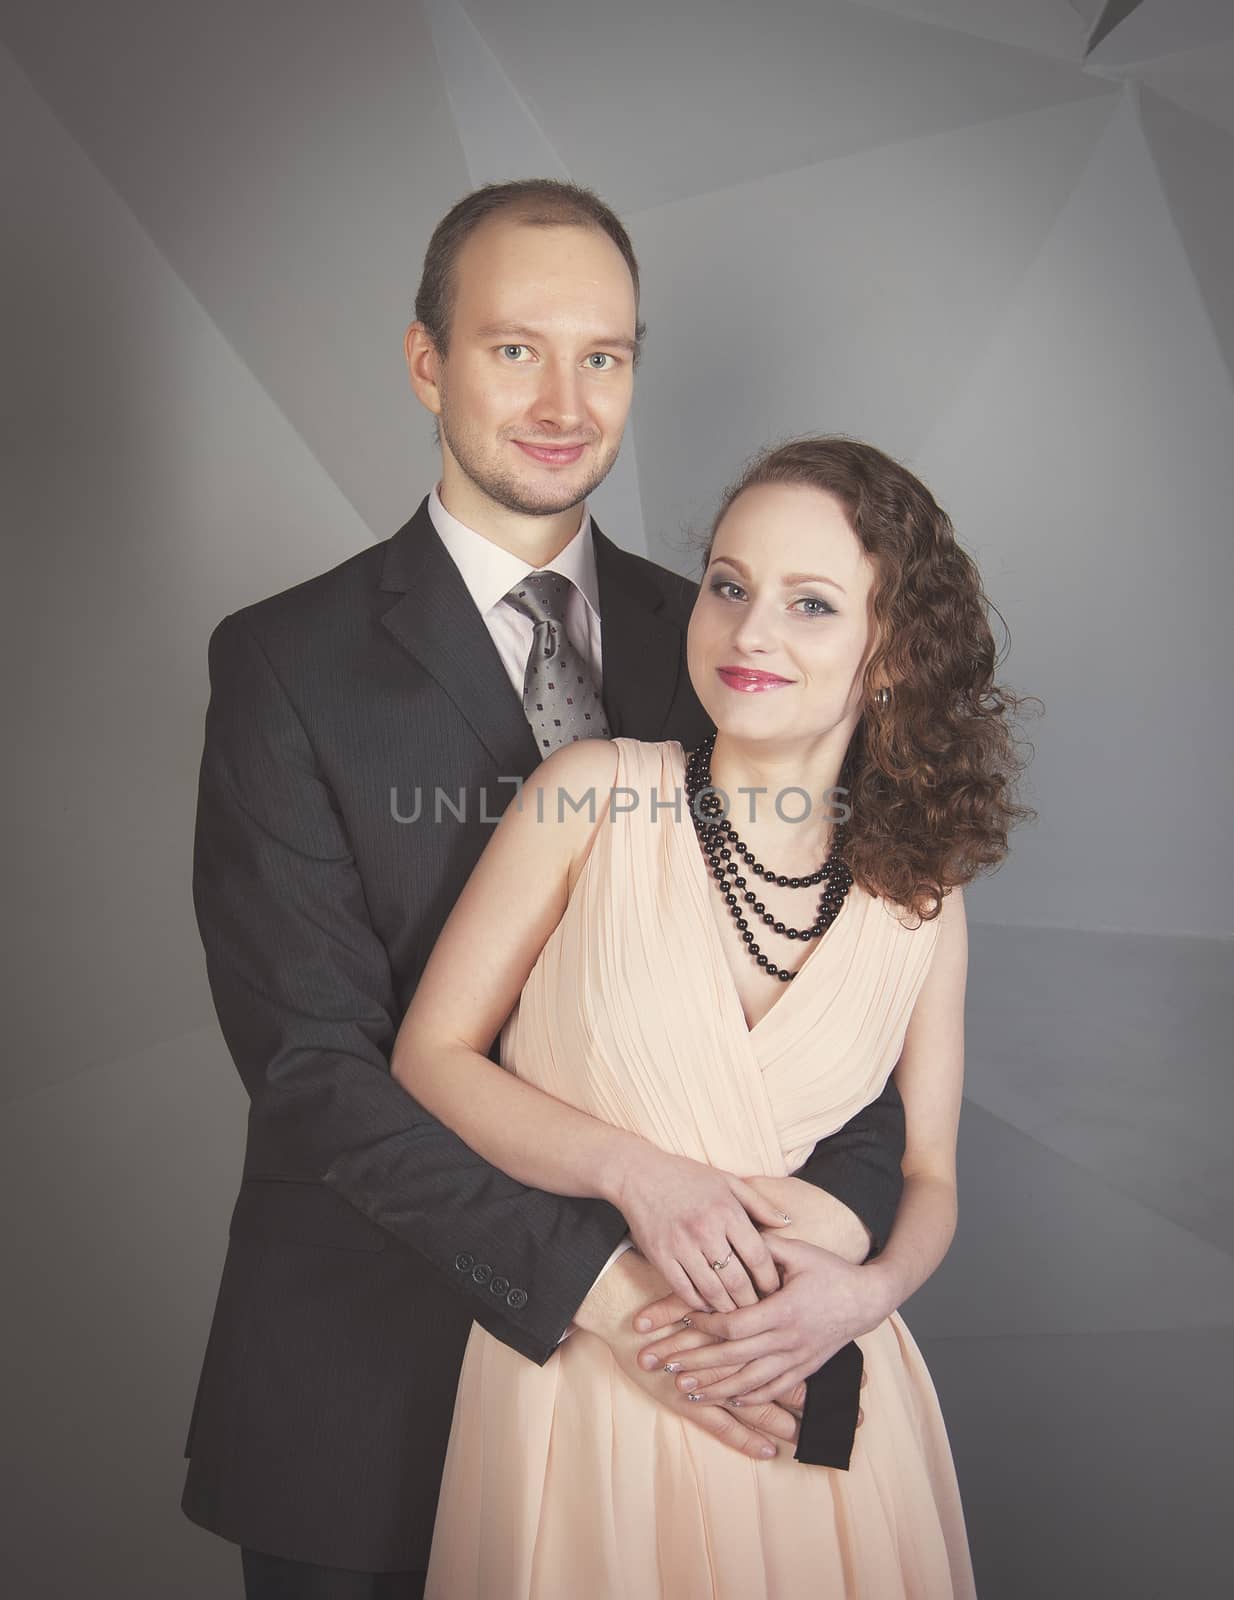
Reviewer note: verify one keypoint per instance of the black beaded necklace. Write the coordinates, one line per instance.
(723, 849)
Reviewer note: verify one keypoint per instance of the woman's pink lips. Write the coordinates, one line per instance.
(751, 682)
(550, 456)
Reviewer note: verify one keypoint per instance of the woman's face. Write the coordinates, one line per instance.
(780, 630)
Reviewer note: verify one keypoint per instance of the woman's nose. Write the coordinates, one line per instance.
(753, 633)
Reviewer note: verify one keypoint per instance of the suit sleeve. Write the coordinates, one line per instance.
(859, 1165)
(305, 996)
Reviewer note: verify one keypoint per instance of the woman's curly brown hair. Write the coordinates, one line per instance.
(930, 776)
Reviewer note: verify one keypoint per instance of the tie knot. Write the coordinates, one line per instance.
(542, 596)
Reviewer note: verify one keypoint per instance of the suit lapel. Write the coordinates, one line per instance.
(640, 645)
(436, 621)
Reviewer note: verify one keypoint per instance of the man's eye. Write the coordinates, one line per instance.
(512, 352)
(599, 361)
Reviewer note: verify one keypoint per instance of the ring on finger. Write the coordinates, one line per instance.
(718, 1266)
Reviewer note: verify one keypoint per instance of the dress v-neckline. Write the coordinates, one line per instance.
(693, 848)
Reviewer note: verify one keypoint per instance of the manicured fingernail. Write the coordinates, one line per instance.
(648, 1362)
(643, 1324)
(768, 1451)
(672, 1366)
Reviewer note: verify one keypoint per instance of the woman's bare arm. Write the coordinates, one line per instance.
(818, 1217)
(492, 939)
(682, 1214)
(930, 1077)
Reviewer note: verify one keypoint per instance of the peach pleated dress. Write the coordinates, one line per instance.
(567, 1481)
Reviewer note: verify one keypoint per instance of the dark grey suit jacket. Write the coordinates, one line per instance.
(366, 1236)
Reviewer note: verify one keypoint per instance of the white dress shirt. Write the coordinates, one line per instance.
(490, 573)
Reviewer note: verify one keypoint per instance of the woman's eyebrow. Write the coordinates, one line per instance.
(812, 577)
(789, 578)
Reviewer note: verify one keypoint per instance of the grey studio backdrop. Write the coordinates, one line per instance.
(996, 237)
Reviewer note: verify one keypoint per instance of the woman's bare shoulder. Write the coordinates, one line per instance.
(575, 768)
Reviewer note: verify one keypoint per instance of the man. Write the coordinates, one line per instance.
(403, 684)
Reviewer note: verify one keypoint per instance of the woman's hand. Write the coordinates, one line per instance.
(693, 1361)
(607, 1312)
(824, 1302)
(685, 1216)
(766, 1352)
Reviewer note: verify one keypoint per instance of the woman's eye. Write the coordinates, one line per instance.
(599, 361)
(720, 584)
(818, 608)
(512, 352)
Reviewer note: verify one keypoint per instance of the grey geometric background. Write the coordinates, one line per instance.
(948, 225)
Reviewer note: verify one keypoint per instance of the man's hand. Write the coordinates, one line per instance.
(768, 1349)
(609, 1311)
(671, 1350)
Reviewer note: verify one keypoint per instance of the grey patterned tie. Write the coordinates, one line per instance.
(560, 698)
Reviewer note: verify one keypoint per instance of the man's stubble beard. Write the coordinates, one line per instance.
(503, 487)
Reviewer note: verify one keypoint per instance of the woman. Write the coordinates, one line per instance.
(667, 1032)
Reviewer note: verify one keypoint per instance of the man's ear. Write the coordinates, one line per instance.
(423, 367)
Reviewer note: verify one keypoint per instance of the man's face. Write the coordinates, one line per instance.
(535, 389)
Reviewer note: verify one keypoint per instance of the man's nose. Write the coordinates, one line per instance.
(559, 400)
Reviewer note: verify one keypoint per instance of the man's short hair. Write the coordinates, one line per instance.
(535, 202)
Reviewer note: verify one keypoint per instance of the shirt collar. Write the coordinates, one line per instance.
(491, 572)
